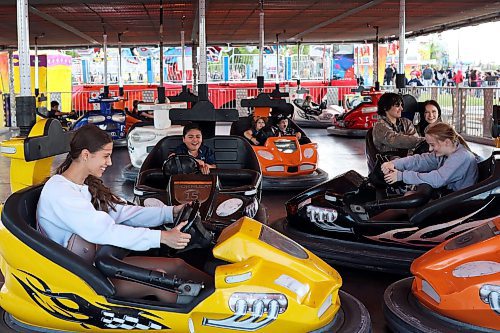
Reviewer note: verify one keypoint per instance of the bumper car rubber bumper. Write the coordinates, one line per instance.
(352, 317)
(404, 313)
(294, 182)
(313, 123)
(120, 142)
(351, 253)
(130, 172)
(347, 131)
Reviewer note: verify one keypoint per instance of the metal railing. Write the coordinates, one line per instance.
(469, 110)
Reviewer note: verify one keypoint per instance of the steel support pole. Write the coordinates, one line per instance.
(277, 58)
(260, 75)
(400, 77)
(37, 91)
(203, 88)
(23, 48)
(25, 103)
(105, 55)
(120, 76)
(161, 88)
(261, 41)
(298, 64)
(194, 62)
(183, 51)
(376, 82)
(12, 94)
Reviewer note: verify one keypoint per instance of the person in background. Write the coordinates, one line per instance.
(414, 81)
(394, 73)
(392, 134)
(145, 115)
(427, 75)
(282, 129)
(430, 114)
(388, 74)
(307, 102)
(76, 202)
(54, 110)
(415, 71)
(458, 78)
(192, 145)
(450, 164)
(256, 134)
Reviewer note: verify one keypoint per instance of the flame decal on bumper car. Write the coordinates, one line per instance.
(99, 315)
(416, 235)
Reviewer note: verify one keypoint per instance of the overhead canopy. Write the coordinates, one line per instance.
(68, 23)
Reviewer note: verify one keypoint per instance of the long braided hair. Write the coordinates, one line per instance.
(93, 139)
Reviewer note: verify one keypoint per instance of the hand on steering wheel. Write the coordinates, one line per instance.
(177, 210)
(204, 167)
(188, 213)
(175, 237)
(391, 177)
(387, 167)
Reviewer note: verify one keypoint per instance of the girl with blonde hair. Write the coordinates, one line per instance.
(450, 162)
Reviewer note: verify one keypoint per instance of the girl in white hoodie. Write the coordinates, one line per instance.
(75, 201)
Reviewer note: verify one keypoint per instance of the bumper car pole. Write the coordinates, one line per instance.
(23, 173)
(105, 55)
(120, 77)
(161, 88)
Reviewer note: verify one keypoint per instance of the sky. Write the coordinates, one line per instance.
(473, 44)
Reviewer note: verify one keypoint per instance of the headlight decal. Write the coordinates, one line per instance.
(288, 282)
(265, 154)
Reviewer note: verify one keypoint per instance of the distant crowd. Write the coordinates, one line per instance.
(430, 76)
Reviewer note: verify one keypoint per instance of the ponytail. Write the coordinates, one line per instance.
(64, 165)
(93, 139)
(443, 131)
(461, 140)
(102, 197)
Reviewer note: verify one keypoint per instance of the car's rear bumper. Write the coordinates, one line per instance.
(346, 131)
(404, 313)
(350, 253)
(294, 182)
(312, 123)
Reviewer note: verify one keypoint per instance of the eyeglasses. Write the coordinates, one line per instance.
(398, 105)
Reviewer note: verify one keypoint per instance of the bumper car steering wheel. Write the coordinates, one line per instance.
(180, 164)
(200, 236)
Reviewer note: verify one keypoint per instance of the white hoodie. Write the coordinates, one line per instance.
(65, 208)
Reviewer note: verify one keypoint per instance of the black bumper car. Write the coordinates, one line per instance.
(229, 192)
(350, 221)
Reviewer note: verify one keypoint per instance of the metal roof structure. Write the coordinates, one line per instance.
(69, 23)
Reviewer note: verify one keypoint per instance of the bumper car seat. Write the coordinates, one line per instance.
(234, 156)
(370, 151)
(19, 217)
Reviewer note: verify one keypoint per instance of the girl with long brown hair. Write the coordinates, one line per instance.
(76, 202)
